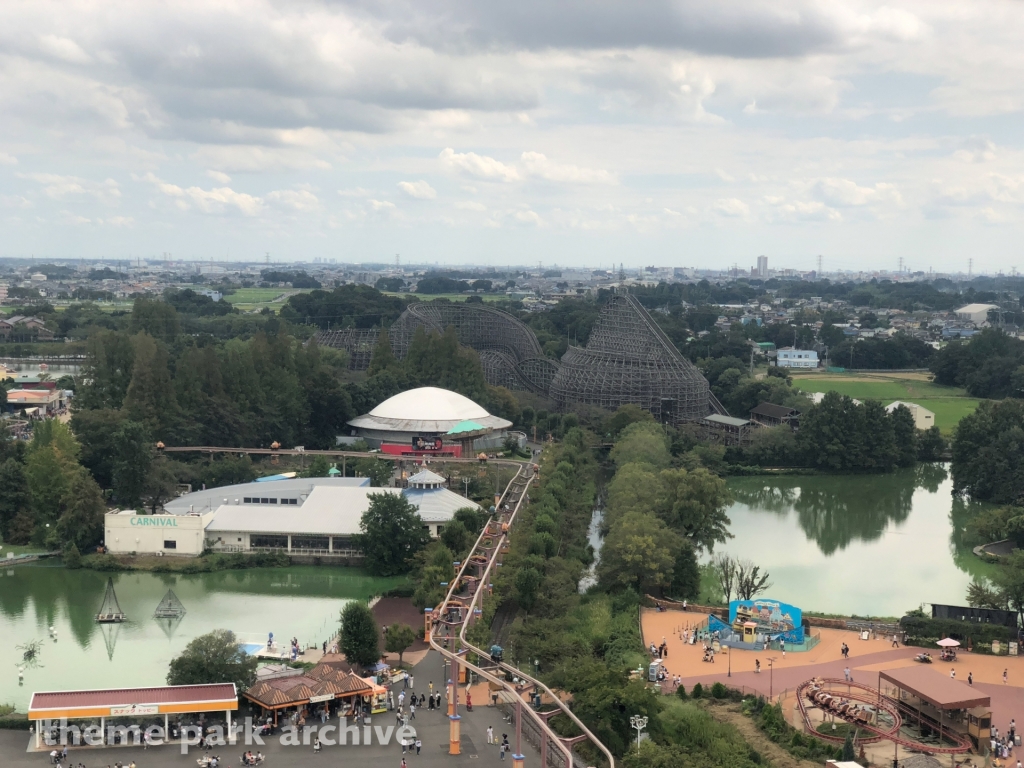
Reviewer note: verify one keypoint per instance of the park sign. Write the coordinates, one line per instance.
(318, 699)
(131, 710)
(162, 521)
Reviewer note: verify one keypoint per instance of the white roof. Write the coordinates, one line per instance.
(329, 510)
(297, 487)
(971, 309)
(427, 410)
(909, 406)
(426, 477)
(429, 404)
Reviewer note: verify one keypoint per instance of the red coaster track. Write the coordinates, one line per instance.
(856, 704)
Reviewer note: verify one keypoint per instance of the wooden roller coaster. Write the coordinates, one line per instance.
(865, 708)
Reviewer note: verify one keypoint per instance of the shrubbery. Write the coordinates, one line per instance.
(924, 631)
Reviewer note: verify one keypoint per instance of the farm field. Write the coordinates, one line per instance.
(248, 299)
(950, 404)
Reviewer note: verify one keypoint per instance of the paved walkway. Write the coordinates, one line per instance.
(867, 659)
(431, 727)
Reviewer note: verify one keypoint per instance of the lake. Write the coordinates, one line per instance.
(299, 601)
(870, 545)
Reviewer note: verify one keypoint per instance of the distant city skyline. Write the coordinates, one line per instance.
(674, 133)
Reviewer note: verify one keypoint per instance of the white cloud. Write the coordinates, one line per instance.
(212, 201)
(64, 48)
(419, 190)
(731, 206)
(539, 166)
(478, 166)
(529, 217)
(219, 176)
(470, 205)
(381, 205)
(295, 199)
(59, 187)
(844, 192)
(6, 159)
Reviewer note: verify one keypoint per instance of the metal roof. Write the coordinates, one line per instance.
(426, 410)
(327, 511)
(935, 688)
(212, 498)
(115, 697)
(731, 421)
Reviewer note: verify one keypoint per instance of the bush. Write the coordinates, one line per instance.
(924, 631)
(681, 692)
(698, 691)
(719, 691)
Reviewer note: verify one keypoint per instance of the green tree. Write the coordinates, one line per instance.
(161, 483)
(383, 359)
(398, 639)
(110, 358)
(905, 436)
(391, 533)
(528, 581)
(931, 445)
(879, 442)
(81, 519)
(358, 638)
(96, 431)
(988, 453)
(434, 566)
(685, 583)
(693, 504)
(848, 754)
(156, 318)
(642, 443)
(318, 467)
(14, 495)
(379, 471)
(456, 537)
(640, 552)
(72, 557)
(215, 657)
(133, 454)
(151, 398)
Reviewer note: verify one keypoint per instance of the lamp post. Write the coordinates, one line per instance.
(639, 723)
(465, 481)
(771, 677)
(729, 657)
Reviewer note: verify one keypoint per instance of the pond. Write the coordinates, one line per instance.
(299, 601)
(870, 545)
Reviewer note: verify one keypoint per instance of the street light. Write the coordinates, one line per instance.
(729, 655)
(771, 677)
(639, 723)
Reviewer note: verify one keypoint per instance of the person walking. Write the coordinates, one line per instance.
(490, 734)
(419, 744)
(412, 682)
(501, 751)
(1004, 677)
(757, 665)
(412, 711)
(895, 641)
(404, 764)
(952, 674)
(846, 674)
(970, 678)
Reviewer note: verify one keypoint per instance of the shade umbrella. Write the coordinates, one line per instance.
(948, 642)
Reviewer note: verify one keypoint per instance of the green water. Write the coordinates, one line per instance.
(299, 601)
(857, 544)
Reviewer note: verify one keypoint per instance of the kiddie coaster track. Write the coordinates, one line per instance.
(463, 606)
(865, 708)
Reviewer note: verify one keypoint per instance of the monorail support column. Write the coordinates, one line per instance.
(454, 737)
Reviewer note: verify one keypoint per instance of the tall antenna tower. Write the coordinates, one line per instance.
(819, 265)
(397, 262)
(268, 256)
(970, 268)
(901, 265)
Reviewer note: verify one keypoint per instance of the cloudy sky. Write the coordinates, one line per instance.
(676, 133)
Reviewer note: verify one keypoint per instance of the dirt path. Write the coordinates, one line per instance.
(779, 757)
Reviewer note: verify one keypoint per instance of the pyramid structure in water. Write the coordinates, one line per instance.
(110, 610)
(170, 607)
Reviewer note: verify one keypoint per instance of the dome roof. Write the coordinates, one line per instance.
(429, 404)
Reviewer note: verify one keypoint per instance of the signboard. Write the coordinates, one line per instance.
(771, 616)
(131, 710)
(318, 699)
(420, 443)
(1013, 649)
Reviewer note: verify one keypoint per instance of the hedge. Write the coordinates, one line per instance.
(924, 631)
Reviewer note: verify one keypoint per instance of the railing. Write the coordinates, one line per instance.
(351, 553)
(498, 672)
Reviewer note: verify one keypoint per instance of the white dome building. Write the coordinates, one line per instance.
(418, 418)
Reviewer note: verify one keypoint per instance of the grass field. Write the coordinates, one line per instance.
(248, 299)
(950, 404)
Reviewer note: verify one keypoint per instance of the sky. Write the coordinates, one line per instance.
(679, 133)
